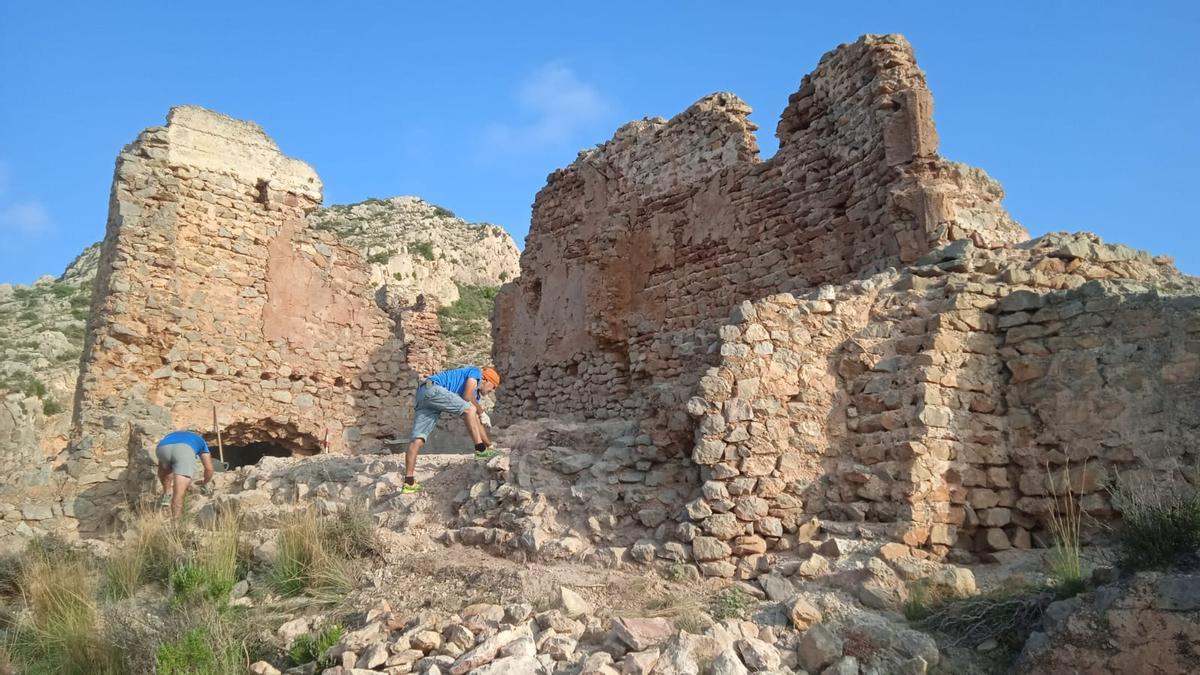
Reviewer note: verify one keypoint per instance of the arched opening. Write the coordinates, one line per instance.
(251, 453)
(246, 443)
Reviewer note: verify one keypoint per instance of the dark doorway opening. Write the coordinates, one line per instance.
(251, 453)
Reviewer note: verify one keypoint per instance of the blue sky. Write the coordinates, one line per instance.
(1085, 111)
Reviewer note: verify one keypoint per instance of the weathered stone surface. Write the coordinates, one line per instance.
(642, 634)
(803, 614)
(1146, 625)
(818, 648)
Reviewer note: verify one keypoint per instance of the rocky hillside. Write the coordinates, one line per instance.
(415, 247)
(41, 337)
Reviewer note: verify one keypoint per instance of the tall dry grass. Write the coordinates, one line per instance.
(60, 628)
(311, 557)
(1065, 561)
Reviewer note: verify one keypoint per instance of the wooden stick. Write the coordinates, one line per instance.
(217, 427)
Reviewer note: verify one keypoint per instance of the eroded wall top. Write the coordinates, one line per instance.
(639, 247)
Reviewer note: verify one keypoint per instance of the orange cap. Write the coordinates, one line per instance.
(492, 376)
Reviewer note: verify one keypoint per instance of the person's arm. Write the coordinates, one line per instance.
(206, 460)
(469, 394)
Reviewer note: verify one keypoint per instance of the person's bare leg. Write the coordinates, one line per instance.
(181, 486)
(474, 426)
(410, 457)
(165, 475)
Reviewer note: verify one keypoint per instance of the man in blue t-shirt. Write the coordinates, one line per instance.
(177, 453)
(455, 392)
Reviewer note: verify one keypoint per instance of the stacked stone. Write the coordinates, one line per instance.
(421, 334)
(639, 250)
(947, 400)
(212, 291)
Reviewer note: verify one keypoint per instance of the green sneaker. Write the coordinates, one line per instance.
(408, 489)
(486, 454)
(165, 501)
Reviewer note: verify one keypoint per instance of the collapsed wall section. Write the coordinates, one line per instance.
(212, 291)
(955, 401)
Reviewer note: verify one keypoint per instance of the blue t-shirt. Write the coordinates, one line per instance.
(187, 438)
(456, 380)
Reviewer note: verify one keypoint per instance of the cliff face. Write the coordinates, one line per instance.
(414, 248)
(41, 339)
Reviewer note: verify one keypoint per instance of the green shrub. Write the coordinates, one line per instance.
(81, 301)
(732, 603)
(504, 276)
(920, 602)
(312, 646)
(62, 290)
(421, 249)
(34, 387)
(51, 407)
(443, 212)
(198, 652)
(1160, 523)
(28, 316)
(212, 571)
(381, 257)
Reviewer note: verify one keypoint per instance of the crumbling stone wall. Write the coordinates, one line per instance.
(213, 291)
(639, 250)
(952, 400)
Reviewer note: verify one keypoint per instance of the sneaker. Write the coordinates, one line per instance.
(486, 454)
(165, 501)
(408, 489)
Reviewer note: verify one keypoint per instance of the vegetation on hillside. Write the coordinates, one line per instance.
(466, 325)
(164, 602)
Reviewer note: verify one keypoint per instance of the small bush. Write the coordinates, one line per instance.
(421, 249)
(676, 571)
(312, 646)
(62, 290)
(732, 603)
(1160, 523)
(307, 562)
(198, 652)
(212, 572)
(28, 316)
(504, 276)
(919, 604)
(51, 407)
(34, 387)
(351, 533)
(443, 212)
(381, 257)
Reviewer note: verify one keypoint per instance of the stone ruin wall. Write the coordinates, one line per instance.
(639, 250)
(950, 401)
(932, 401)
(213, 291)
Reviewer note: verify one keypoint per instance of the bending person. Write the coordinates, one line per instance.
(454, 392)
(177, 453)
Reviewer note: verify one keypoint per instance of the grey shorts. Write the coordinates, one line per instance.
(180, 457)
(432, 401)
